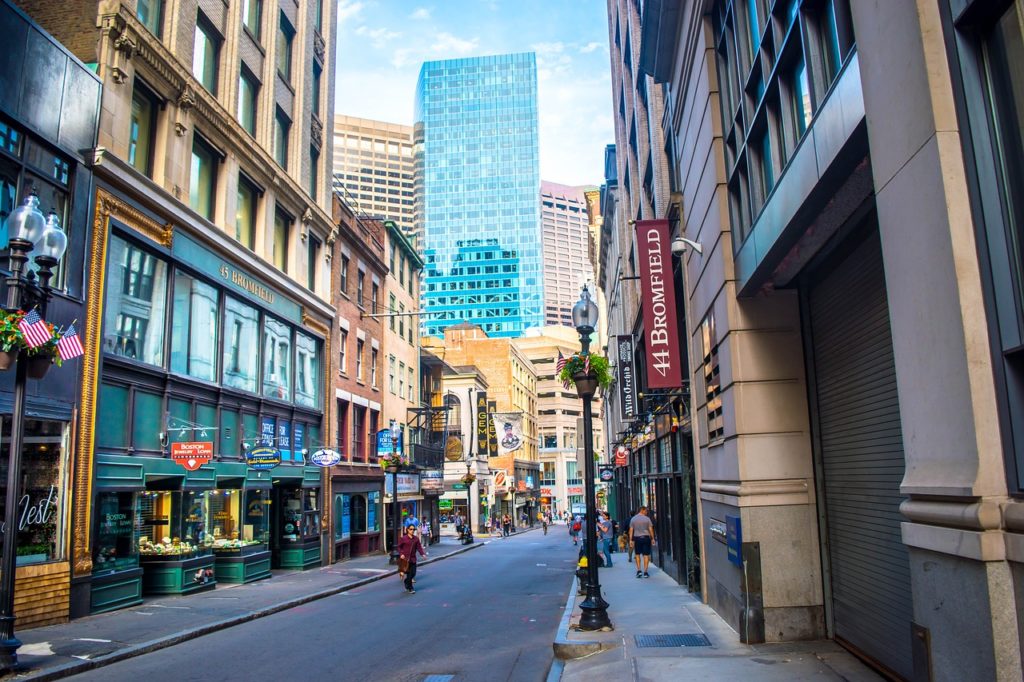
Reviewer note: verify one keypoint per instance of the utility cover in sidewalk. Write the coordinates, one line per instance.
(647, 641)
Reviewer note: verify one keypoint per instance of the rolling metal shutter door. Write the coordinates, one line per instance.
(862, 457)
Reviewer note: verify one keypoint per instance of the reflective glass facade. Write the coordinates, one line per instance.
(478, 180)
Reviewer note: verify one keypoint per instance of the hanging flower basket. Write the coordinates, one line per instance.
(12, 341)
(468, 478)
(575, 369)
(392, 461)
(38, 366)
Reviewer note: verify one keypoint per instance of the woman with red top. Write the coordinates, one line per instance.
(408, 545)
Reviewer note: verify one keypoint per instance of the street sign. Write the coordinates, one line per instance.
(191, 455)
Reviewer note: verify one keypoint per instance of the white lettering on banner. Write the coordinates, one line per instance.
(658, 335)
(35, 513)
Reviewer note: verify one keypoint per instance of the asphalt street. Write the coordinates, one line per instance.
(487, 615)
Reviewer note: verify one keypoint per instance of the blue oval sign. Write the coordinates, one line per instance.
(325, 458)
(263, 457)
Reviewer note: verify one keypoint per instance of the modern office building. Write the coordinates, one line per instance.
(477, 188)
(567, 245)
(373, 168)
(850, 171)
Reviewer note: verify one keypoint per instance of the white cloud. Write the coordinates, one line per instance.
(547, 48)
(379, 37)
(348, 9)
(421, 14)
(446, 42)
(590, 47)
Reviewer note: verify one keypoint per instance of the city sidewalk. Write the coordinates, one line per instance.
(659, 606)
(55, 651)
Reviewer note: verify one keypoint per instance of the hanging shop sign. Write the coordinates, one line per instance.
(509, 428)
(626, 377)
(661, 333)
(192, 455)
(432, 482)
(445, 504)
(325, 458)
(607, 474)
(481, 422)
(453, 448)
(492, 435)
(501, 482)
(621, 456)
(262, 457)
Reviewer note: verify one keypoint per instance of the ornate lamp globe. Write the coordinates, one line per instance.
(584, 313)
(26, 222)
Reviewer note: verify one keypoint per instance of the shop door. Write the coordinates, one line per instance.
(859, 444)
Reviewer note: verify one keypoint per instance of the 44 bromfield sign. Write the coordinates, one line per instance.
(661, 333)
(191, 455)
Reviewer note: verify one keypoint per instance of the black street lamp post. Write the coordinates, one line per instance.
(594, 608)
(396, 519)
(29, 231)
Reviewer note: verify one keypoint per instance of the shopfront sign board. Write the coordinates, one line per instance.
(192, 455)
(432, 482)
(626, 379)
(734, 539)
(621, 456)
(661, 333)
(408, 484)
(325, 458)
(607, 474)
(262, 457)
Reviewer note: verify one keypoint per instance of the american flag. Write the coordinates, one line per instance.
(69, 345)
(35, 330)
(559, 366)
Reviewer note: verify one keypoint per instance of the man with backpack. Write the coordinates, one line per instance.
(574, 529)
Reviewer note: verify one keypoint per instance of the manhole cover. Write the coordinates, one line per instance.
(647, 641)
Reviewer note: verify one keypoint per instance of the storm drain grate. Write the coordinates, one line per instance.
(647, 641)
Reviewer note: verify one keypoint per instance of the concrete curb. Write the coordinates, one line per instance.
(565, 648)
(62, 671)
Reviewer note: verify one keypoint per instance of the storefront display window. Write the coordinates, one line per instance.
(173, 524)
(300, 514)
(136, 308)
(358, 514)
(372, 509)
(307, 371)
(40, 530)
(235, 519)
(117, 529)
(342, 516)
(194, 328)
(277, 359)
(241, 346)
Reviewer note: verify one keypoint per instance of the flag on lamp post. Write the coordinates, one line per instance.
(70, 346)
(35, 330)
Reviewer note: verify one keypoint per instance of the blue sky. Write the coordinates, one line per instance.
(382, 43)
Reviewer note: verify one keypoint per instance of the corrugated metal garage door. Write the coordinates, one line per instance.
(861, 446)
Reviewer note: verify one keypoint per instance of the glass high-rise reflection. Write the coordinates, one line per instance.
(477, 173)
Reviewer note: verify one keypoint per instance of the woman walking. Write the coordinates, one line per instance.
(408, 545)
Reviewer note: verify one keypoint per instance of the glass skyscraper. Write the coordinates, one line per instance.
(477, 176)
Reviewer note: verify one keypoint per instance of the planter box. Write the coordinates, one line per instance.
(244, 565)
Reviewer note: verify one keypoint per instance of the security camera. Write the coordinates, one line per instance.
(679, 245)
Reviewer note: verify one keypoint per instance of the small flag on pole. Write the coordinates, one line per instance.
(70, 346)
(559, 366)
(35, 330)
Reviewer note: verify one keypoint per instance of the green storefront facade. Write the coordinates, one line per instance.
(198, 347)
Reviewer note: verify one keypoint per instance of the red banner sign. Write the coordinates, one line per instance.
(661, 334)
(191, 455)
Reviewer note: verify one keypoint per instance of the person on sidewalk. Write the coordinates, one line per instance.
(604, 534)
(574, 529)
(408, 545)
(641, 538)
(425, 532)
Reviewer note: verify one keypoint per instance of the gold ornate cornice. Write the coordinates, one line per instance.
(108, 206)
